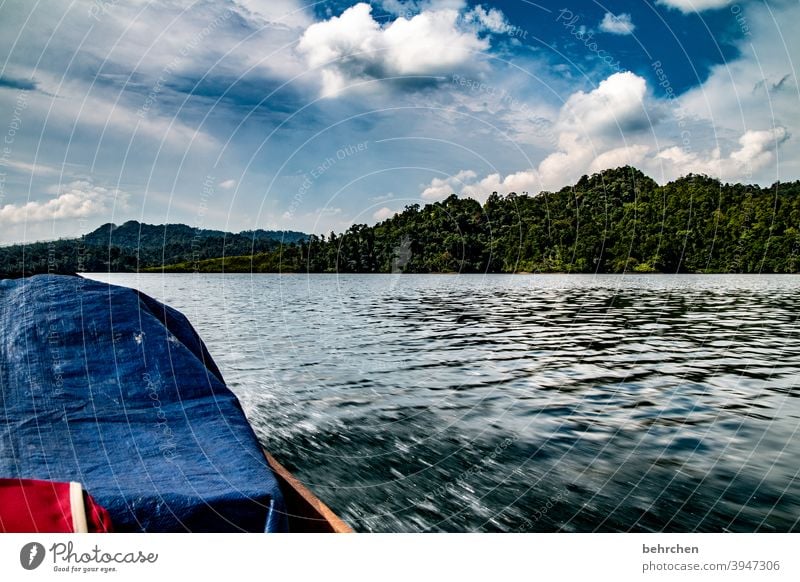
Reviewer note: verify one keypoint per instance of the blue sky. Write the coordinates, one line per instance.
(240, 114)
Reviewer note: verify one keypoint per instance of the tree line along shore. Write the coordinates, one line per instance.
(615, 221)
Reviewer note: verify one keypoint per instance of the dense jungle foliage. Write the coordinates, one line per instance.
(612, 222)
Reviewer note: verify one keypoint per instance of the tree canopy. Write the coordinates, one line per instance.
(611, 222)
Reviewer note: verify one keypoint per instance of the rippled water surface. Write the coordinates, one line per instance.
(517, 403)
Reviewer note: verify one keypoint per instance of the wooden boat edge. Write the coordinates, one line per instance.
(306, 512)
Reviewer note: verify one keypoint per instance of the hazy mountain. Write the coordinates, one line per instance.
(133, 245)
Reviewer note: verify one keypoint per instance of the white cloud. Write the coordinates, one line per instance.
(227, 184)
(410, 7)
(398, 7)
(80, 199)
(753, 93)
(619, 24)
(586, 135)
(756, 151)
(596, 131)
(492, 20)
(687, 6)
(442, 187)
(578, 155)
(632, 155)
(287, 12)
(757, 146)
(383, 213)
(37, 169)
(354, 46)
(525, 181)
(616, 105)
(429, 43)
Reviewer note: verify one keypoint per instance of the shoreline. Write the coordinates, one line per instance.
(438, 274)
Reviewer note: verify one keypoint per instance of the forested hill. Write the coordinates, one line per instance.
(134, 235)
(612, 222)
(135, 245)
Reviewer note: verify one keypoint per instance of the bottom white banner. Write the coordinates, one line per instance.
(400, 557)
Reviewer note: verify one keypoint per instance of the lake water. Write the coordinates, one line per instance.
(517, 403)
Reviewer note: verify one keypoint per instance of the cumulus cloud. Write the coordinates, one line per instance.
(617, 24)
(757, 146)
(466, 183)
(442, 187)
(79, 199)
(586, 133)
(756, 151)
(227, 184)
(687, 6)
(746, 94)
(576, 156)
(492, 20)
(525, 181)
(354, 46)
(383, 213)
(632, 155)
(594, 133)
(616, 105)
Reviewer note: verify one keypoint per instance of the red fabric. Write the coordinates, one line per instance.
(32, 506)
(97, 517)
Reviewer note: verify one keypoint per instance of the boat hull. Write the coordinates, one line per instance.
(305, 511)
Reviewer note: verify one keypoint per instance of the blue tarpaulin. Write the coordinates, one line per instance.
(106, 386)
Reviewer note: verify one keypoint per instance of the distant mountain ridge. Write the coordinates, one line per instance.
(133, 234)
(135, 245)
